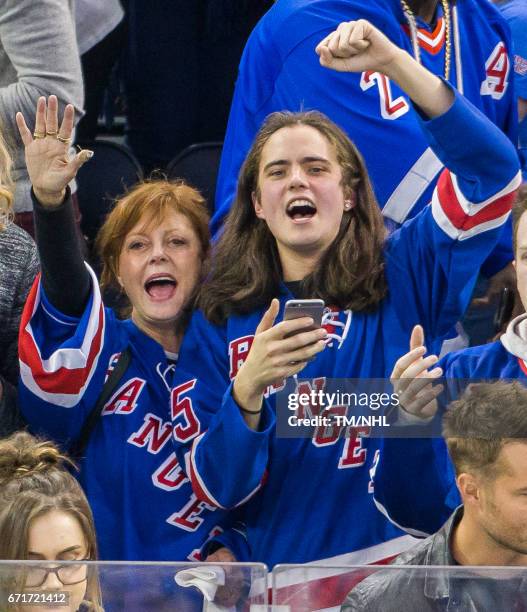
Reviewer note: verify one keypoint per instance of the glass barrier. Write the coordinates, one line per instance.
(38, 586)
(382, 588)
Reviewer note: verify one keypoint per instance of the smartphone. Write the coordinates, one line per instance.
(295, 309)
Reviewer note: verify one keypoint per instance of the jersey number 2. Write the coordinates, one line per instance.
(390, 108)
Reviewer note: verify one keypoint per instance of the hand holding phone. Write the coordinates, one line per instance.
(273, 357)
(295, 309)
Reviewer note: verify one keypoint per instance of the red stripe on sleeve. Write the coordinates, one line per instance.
(455, 213)
(198, 489)
(64, 380)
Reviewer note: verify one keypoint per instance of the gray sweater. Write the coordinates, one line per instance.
(38, 57)
(18, 267)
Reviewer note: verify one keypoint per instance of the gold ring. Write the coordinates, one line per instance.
(51, 134)
(39, 135)
(64, 140)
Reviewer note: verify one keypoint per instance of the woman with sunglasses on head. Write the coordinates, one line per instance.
(45, 516)
(153, 245)
(305, 225)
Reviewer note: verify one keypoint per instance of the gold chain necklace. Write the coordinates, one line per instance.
(410, 17)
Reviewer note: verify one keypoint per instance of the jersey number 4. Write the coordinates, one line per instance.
(497, 68)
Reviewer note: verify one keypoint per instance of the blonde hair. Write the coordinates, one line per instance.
(6, 184)
(518, 208)
(34, 479)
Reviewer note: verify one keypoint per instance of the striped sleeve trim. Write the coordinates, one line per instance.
(461, 219)
(63, 377)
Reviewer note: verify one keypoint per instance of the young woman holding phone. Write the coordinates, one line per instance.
(305, 225)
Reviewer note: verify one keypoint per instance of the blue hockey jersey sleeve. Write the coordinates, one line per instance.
(227, 477)
(59, 378)
(233, 537)
(410, 467)
(433, 260)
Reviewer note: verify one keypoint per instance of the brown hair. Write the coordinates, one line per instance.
(149, 201)
(481, 422)
(246, 270)
(33, 481)
(518, 208)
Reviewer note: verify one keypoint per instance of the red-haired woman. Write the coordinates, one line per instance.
(154, 245)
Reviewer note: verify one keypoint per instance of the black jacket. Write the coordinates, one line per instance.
(11, 419)
(438, 589)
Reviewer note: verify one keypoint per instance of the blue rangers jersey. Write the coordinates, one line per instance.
(490, 361)
(439, 496)
(515, 12)
(143, 504)
(312, 499)
(280, 70)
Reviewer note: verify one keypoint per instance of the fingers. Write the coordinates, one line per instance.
(358, 36)
(295, 341)
(66, 127)
(415, 385)
(326, 58)
(222, 555)
(280, 353)
(269, 317)
(406, 361)
(25, 132)
(306, 353)
(46, 123)
(417, 338)
(52, 121)
(323, 43)
(422, 404)
(74, 164)
(292, 370)
(40, 117)
(334, 43)
(347, 40)
(81, 158)
(418, 370)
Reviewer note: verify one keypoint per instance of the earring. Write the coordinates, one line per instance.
(347, 204)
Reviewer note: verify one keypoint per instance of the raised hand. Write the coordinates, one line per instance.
(412, 379)
(356, 46)
(49, 167)
(273, 357)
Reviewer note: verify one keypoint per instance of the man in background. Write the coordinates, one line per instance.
(486, 435)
